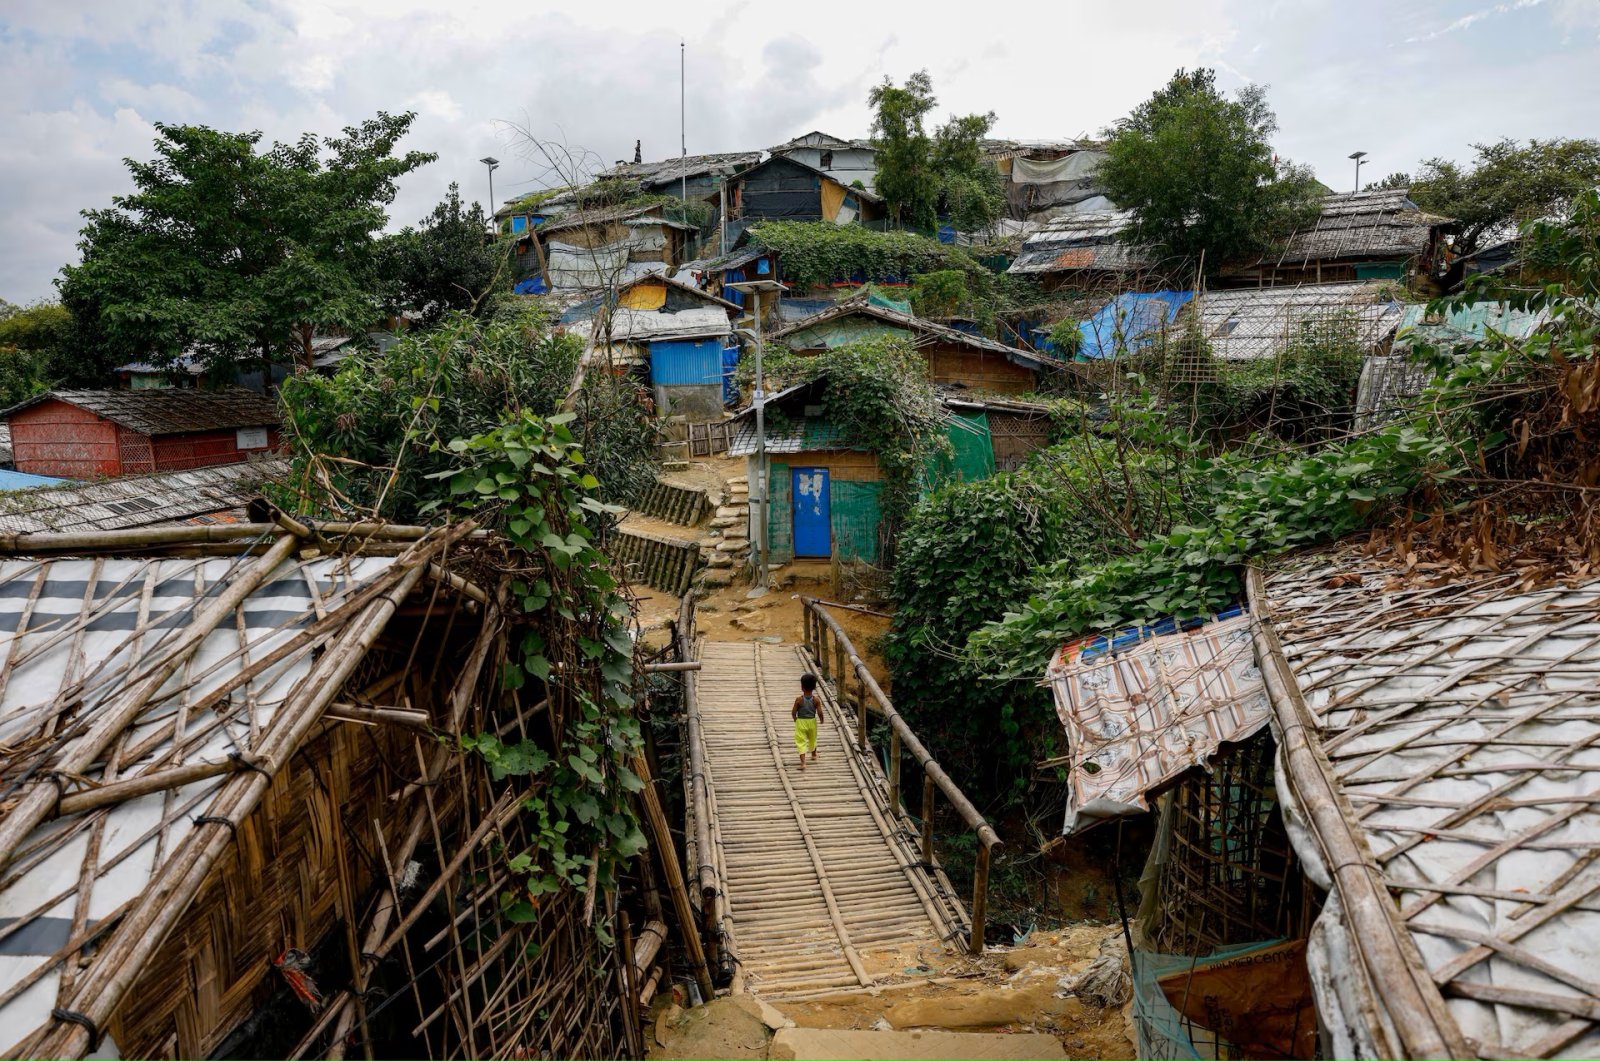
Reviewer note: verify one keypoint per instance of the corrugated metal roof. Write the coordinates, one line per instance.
(1458, 720)
(139, 500)
(639, 325)
(803, 435)
(1138, 716)
(1466, 323)
(168, 410)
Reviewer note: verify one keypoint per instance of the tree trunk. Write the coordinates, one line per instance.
(306, 334)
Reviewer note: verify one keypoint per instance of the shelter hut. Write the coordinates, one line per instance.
(1172, 718)
(785, 189)
(692, 177)
(611, 245)
(1394, 375)
(718, 275)
(1260, 324)
(82, 434)
(956, 359)
(1045, 179)
(237, 819)
(846, 161)
(1374, 235)
(1085, 250)
(1441, 749)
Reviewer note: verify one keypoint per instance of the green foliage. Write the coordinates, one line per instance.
(1196, 170)
(448, 263)
(941, 293)
(1307, 392)
(1505, 184)
(528, 479)
(819, 252)
(924, 178)
(1251, 505)
(970, 552)
(34, 343)
(241, 254)
(1066, 337)
(370, 436)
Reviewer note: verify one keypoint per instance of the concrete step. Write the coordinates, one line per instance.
(832, 1044)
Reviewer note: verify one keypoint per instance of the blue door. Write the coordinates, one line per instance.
(813, 533)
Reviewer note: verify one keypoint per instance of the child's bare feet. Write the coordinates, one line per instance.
(802, 762)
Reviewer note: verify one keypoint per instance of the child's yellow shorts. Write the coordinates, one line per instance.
(805, 734)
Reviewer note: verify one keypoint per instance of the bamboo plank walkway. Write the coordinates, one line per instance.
(817, 875)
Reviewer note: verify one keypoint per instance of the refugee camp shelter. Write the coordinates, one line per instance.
(1255, 324)
(1047, 178)
(1086, 249)
(692, 177)
(1442, 769)
(86, 434)
(1128, 323)
(1393, 376)
(846, 161)
(784, 189)
(956, 359)
(1371, 235)
(238, 819)
(218, 494)
(610, 245)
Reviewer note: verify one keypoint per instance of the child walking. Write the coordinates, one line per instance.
(807, 709)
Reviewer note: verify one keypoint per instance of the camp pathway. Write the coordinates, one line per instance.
(823, 887)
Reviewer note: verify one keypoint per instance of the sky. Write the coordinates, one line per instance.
(83, 82)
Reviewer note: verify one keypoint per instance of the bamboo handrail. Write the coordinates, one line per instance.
(902, 740)
(705, 872)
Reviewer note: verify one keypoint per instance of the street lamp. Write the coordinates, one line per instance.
(1358, 156)
(759, 488)
(493, 164)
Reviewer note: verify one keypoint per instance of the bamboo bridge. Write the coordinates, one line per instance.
(816, 880)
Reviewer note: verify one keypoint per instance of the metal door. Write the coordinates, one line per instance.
(813, 530)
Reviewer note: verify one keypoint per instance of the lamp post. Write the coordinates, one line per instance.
(1359, 156)
(760, 486)
(493, 164)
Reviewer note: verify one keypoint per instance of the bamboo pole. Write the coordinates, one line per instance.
(980, 899)
(699, 804)
(1410, 998)
(927, 818)
(144, 784)
(661, 840)
(35, 806)
(394, 716)
(127, 953)
(894, 771)
(58, 541)
(671, 668)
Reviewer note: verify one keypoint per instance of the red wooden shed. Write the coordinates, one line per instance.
(90, 434)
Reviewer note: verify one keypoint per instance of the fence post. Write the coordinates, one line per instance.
(980, 898)
(840, 675)
(861, 713)
(927, 817)
(894, 771)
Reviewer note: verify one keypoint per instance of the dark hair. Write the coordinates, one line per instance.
(808, 682)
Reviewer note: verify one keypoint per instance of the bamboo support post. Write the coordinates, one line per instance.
(705, 871)
(927, 818)
(671, 668)
(894, 771)
(1411, 999)
(980, 899)
(661, 840)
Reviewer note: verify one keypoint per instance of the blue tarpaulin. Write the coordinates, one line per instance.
(730, 362)
(25, 481)
(1128, 322)
(533, 285)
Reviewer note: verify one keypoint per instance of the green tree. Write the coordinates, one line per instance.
(33, 341)
(1196, 170)
(923, 177)
(905, 176)
(449, 262)
(240, 254)
(1506, 184)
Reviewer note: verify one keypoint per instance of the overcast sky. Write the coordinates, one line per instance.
(83, 81)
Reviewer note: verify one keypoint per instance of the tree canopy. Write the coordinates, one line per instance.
(448, 262)
(236, 253)
(1506, 184)
(925, 177)
(32, 340)
(1197, 171)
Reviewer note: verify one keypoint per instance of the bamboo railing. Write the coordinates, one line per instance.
(837, 664)
(704, 872)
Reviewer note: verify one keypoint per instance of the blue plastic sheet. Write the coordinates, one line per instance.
(1128, 322)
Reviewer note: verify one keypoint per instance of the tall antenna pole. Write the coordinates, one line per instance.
(683, 135)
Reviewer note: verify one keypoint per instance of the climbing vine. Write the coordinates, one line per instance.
(527, 479)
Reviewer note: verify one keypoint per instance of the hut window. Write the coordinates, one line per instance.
(827, 160)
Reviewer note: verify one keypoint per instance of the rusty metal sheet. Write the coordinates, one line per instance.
(1138, 717)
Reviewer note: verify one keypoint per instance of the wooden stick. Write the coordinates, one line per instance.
(35, 806)
(661, 839)
(699, 803)
(394, 716)
(1410, 998)
(143, 784)
(669, 668)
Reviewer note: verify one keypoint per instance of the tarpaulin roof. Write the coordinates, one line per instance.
(1252, 323)
(1142, 708)
(1128, 322)
(1457, 722)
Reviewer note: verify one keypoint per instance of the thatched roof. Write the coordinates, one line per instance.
(1365, 225)
(1442, 777)
(139, 500)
